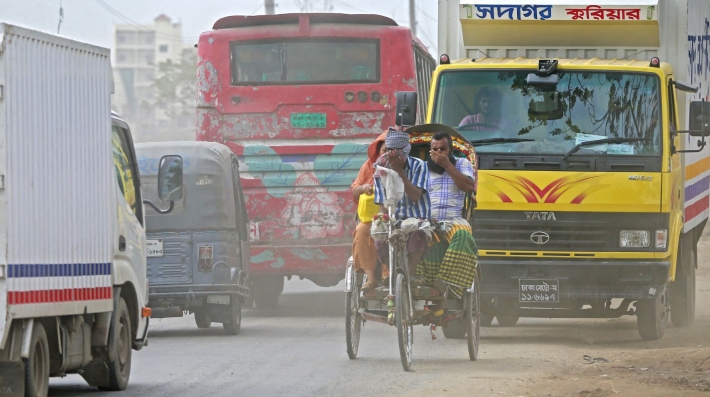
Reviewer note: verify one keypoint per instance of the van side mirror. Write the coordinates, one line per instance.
(170, 178)
(699, 119)
(406, 108)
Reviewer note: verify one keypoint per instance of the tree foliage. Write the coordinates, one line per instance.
(175, 85)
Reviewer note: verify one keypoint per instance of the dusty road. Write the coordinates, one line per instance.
(299, 350)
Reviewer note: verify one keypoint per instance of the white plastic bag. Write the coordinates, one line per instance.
(393, 184)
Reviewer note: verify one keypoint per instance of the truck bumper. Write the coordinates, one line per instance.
(193, 292)
(579, 281)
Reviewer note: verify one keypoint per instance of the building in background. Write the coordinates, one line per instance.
(140, 53)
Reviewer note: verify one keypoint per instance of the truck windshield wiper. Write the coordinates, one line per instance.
(492, 141)
(600, 141)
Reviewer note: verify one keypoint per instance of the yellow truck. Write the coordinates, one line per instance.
(589, 123)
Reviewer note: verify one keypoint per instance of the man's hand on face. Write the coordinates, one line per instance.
(396, 161)
(440, 158)
(440, 153)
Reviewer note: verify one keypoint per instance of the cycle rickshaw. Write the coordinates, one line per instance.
(402, 305)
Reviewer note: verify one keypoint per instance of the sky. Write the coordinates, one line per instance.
(92, 20)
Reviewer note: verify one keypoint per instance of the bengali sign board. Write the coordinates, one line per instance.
(543, 12)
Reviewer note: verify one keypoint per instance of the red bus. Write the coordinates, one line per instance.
(298, 97)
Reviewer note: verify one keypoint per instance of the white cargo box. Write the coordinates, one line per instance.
(57, 181)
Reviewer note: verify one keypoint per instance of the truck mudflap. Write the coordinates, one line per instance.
(565, 284)
(12, 378)
(138, 344)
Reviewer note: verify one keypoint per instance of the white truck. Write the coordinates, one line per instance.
(73, 288)
(590, 121)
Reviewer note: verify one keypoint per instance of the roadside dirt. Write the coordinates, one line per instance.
(677, 365)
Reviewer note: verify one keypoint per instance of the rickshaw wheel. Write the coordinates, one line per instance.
(473, 319)
(404, 322)
(234, 316)
(353, 320)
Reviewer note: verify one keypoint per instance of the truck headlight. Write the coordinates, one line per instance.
(661, 238)
(634, 238)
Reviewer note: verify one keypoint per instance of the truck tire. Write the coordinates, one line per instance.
(486, 319)
(507, 320)
(455, 329)
(652, 316)
(266, 291)
(202, 317)
(119, 370)
(682, 290)
(37, 365)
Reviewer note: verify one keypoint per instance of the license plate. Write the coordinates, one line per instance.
(218, 299)
(308, 120)
(539, 290)
(155, 248)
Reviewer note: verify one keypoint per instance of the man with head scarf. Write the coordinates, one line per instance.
(415, 202)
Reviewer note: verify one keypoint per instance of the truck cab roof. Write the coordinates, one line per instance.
(575, 63)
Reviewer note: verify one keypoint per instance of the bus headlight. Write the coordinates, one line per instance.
(634, 239)
(661, 238)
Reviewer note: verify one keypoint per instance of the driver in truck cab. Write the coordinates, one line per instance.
(486, 111)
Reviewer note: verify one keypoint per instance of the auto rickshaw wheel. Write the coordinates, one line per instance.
(234, 316)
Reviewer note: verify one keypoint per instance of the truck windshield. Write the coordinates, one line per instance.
(505, 114)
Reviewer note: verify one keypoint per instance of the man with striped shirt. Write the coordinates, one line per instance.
(415, 203)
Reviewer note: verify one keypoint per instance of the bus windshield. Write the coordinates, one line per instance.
(305, 61)
(501, 113)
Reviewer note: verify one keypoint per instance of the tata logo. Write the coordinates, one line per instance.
(540, 216)
(540, 238)
(640, 178)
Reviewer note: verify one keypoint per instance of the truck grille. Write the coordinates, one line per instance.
(569, 231)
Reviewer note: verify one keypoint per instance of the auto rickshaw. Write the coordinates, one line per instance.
(401, 305)
(198, 256)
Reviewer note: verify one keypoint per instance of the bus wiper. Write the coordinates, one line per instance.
(491, 141)
(600, 141)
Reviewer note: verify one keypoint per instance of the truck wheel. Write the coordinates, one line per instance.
(234, 317)
(455, 329)
(486, 320)
(202, 317)
(37, 365)
(267, 290)
(682, 290)
(507, 320)
(652, 315)
(119, 370)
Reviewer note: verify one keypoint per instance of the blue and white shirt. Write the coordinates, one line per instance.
(418, 173)
(447, 200)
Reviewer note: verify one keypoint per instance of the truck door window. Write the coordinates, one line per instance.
(673, 119)
(122, 159)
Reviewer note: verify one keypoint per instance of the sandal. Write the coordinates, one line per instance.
(372, 284)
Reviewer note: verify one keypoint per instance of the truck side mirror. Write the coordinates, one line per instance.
(406, 108)
(699, 120)
(170, 178)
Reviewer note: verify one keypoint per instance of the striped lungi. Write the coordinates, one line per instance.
(453, 258)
